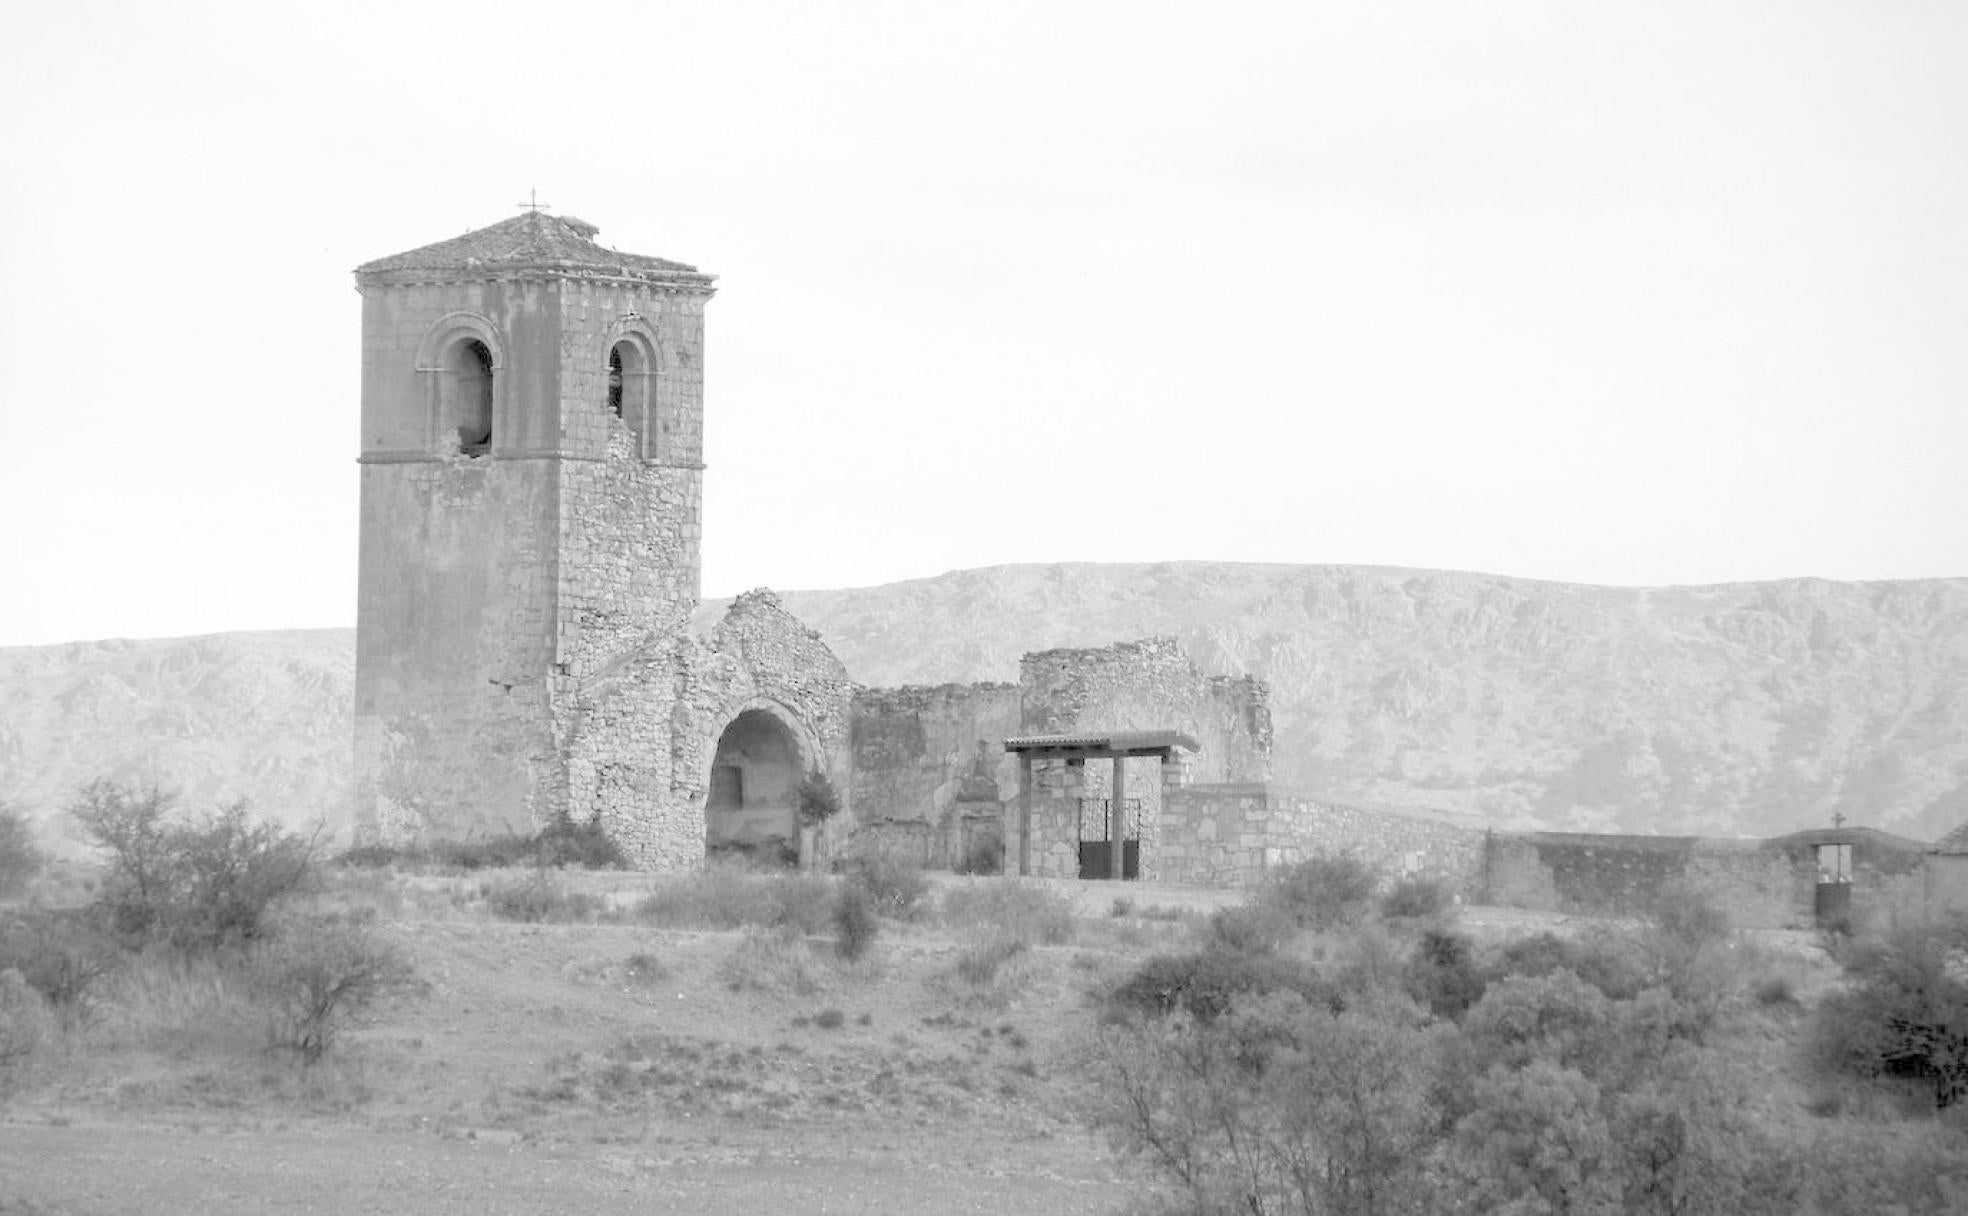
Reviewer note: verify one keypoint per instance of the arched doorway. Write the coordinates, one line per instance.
(755, 780)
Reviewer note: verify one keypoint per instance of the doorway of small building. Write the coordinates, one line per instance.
(751, 813)
(1096, 837)
(1834, 893)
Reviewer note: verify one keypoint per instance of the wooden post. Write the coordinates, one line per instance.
(1116, 833)
(1024, 814)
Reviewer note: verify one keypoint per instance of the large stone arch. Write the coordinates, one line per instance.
(751, 781)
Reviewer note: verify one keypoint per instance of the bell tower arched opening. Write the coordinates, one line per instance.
(752, 809)
(466, 397)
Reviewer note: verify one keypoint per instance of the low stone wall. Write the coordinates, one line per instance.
(1231, 834)
(1760, 883)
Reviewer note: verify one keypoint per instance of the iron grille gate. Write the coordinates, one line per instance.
(1095, 834)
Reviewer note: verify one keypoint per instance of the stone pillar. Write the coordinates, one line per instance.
(1116, 820)
(1024, 816)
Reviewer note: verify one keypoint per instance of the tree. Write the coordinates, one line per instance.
(203, 882)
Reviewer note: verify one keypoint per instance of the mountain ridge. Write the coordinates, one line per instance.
(1751, 708)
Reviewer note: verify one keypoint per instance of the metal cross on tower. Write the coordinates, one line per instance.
(1838, 821)
(533, 202)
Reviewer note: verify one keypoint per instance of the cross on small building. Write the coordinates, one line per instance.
(1838, 821)
(533, 203)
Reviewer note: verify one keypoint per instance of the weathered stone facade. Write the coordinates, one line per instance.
(928, 774)
(532, 472)
(931, 775)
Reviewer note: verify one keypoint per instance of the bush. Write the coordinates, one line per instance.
(1323, 892)
(20, 861)
(1443, 974)
(896, 888)
(585, 846)
(62, 955)
(855, 922)
(1904, 1013)
(1249, 929)
(25, 1024)
(319, 976)
(1016, 911)
(978, 964)
(537, 897)
(770, 960)
(1416, 899)
(562, 843)
(1205, 985)
(198, 884)
(818, 800)
(726, 896)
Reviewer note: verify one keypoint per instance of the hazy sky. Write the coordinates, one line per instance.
(1622, 293)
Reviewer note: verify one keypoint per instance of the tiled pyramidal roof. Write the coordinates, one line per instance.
(531, 240)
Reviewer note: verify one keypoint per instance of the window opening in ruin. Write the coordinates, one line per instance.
(615, 382)
(1834, 863)
(468, 407)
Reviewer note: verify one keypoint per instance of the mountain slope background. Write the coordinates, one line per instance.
(1739, 709)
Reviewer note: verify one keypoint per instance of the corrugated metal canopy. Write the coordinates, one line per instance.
(1103, 741)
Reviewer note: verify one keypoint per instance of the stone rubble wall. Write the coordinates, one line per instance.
(1235, 834)
(1760, 883)
(649, 726)
(1152, 684)
(934, 756)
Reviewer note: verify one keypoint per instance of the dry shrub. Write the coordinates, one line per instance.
(727, 896)
(319, 976)
(1417, 899)
(1204, 985)
(26, 1024)
(979, 964)
(855, 922)
(1248, 929)
(1323, 892)
(770, 961)
(896, 888)
(1027, 913)
(63, 955)
(537, 897)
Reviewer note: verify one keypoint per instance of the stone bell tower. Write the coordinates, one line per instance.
(532, 473)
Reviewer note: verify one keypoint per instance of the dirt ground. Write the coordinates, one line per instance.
(576, 1068)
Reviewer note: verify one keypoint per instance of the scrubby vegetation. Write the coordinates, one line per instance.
(198, 920)
(1336, 1044)
(563, 843)
(1361, 1068)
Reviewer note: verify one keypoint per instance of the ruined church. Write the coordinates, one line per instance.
(531, 517)
(532, 510)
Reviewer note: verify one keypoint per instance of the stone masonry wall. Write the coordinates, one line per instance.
(1238, 833)
(1761, 883)
(1151, 684)
(930, 756)
(641, 754)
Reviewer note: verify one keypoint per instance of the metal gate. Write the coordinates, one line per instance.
(1096, 850)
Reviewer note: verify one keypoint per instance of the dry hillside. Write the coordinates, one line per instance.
(1739, 709)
